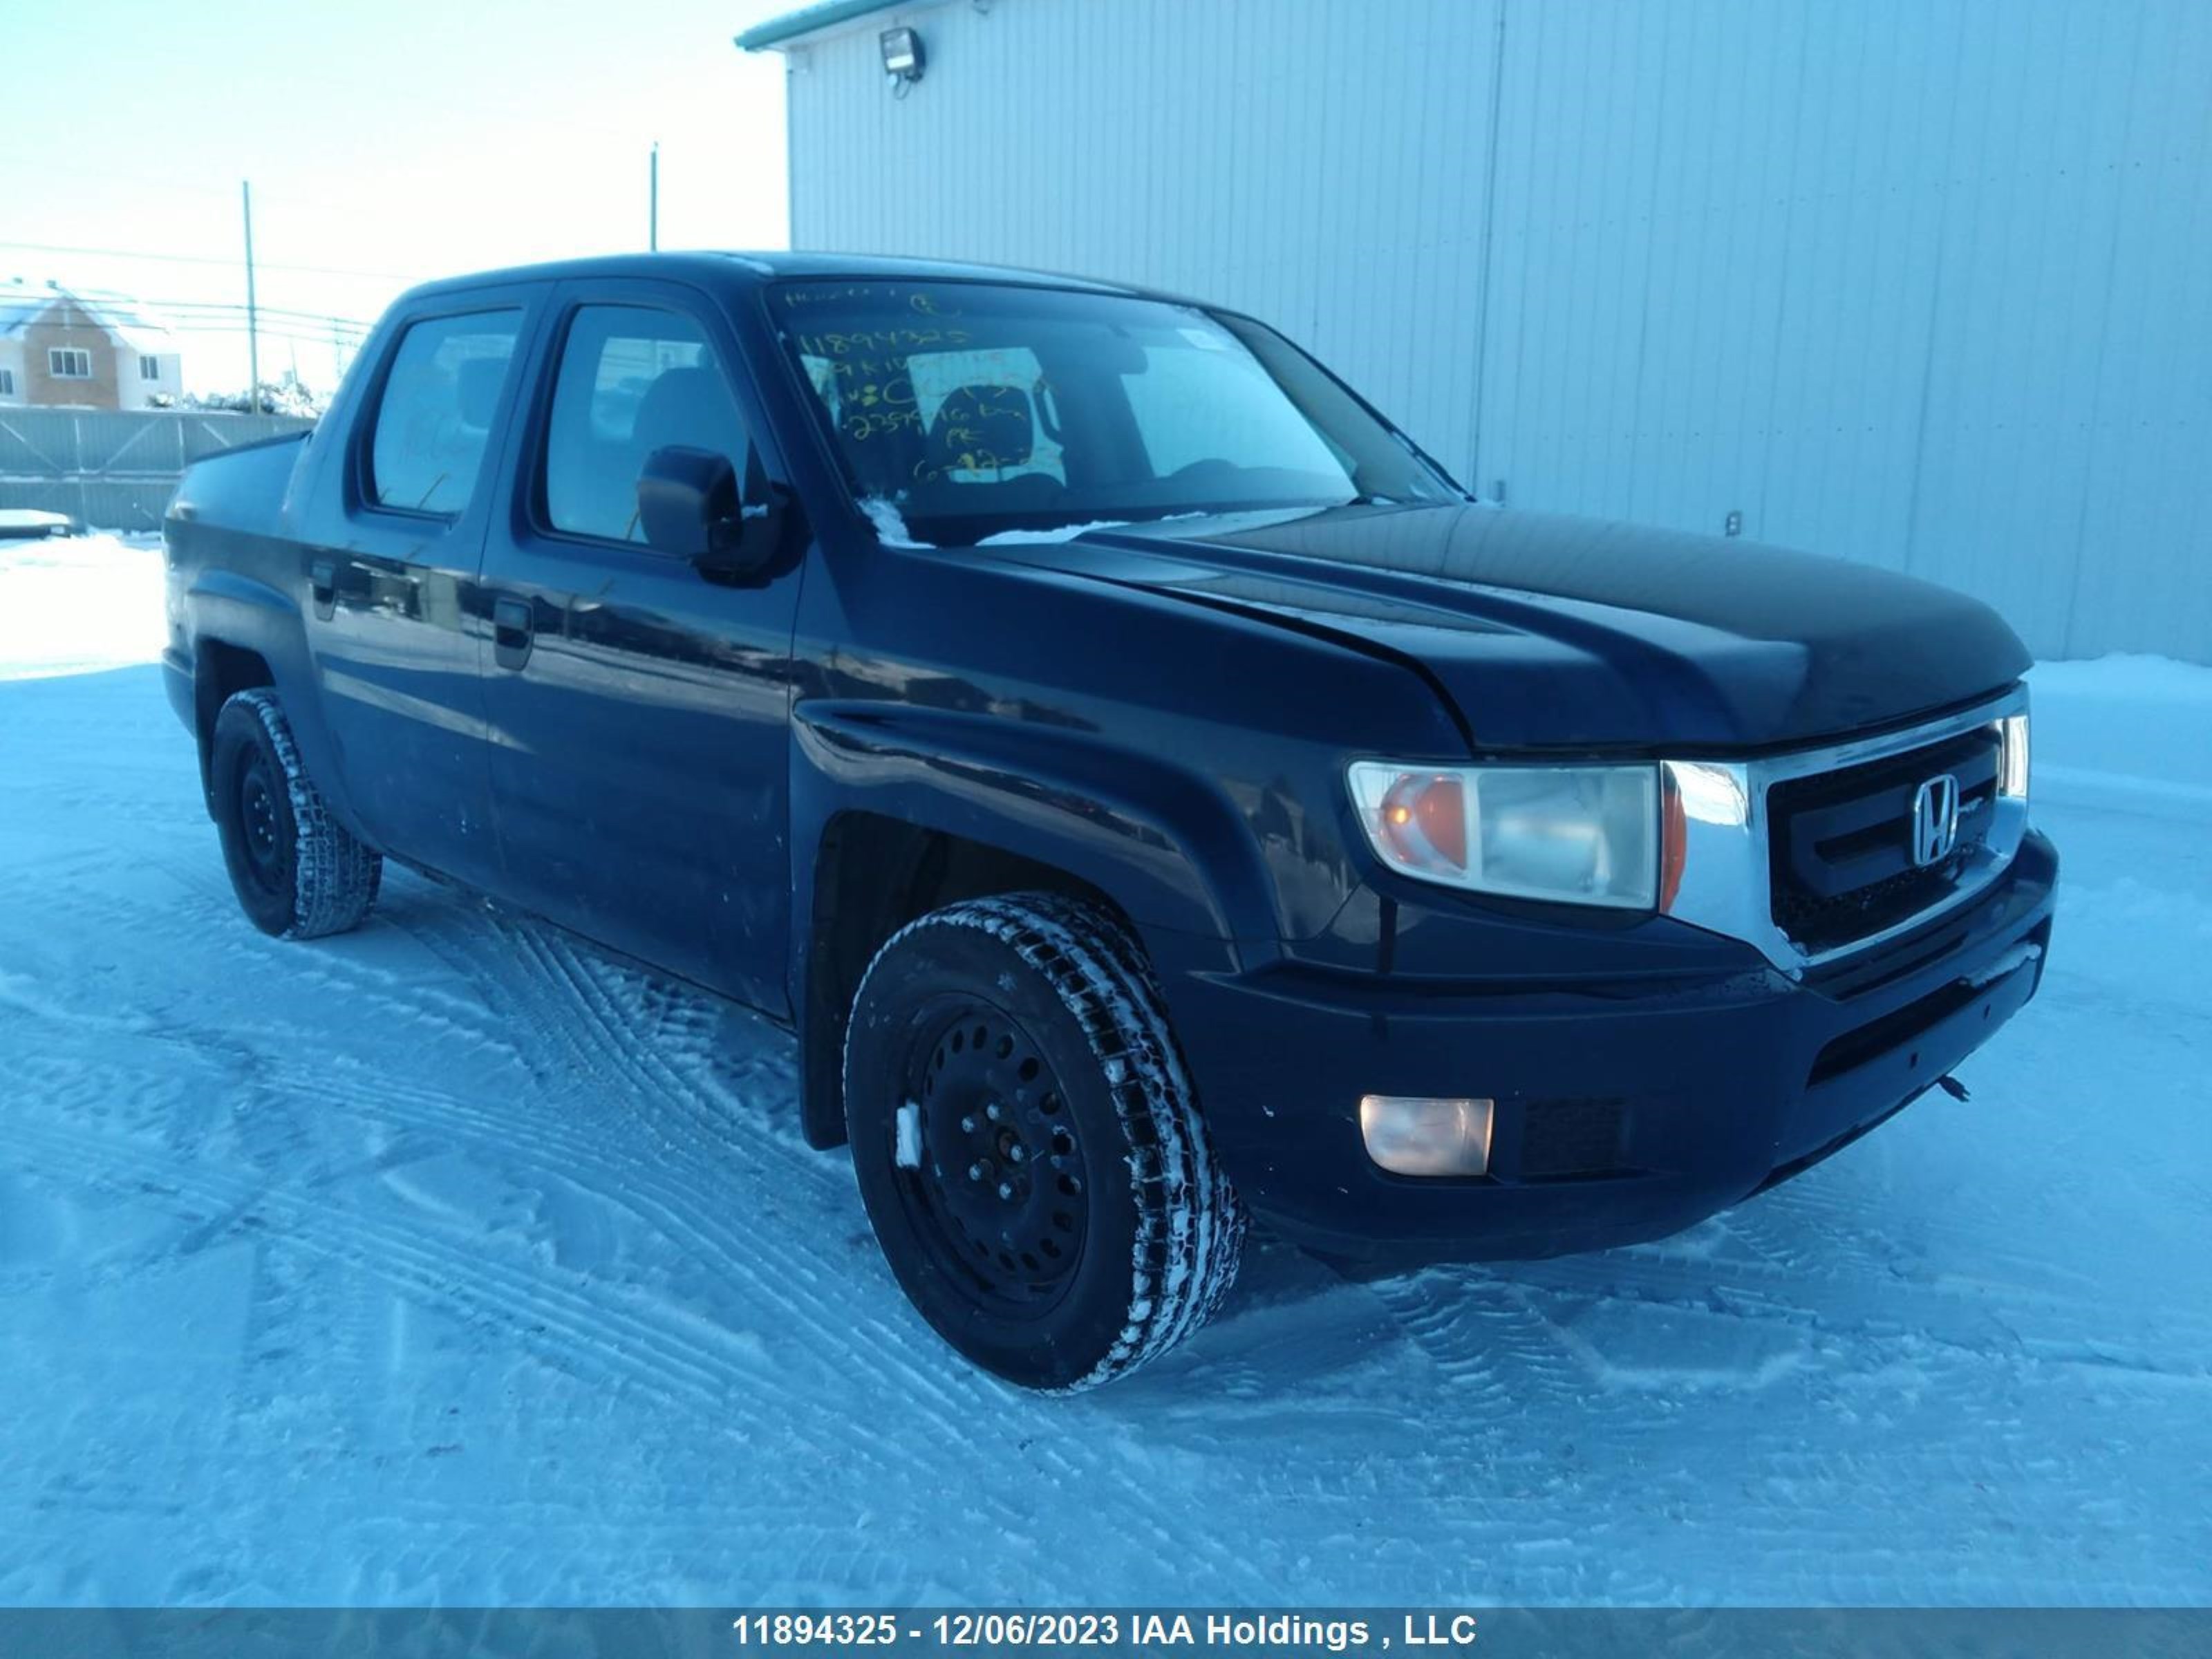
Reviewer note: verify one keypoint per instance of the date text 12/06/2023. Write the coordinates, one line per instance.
(1162, 1629)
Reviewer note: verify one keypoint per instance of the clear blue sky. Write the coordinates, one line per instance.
(387, 143)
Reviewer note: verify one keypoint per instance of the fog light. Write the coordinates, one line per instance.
(1414, 1136)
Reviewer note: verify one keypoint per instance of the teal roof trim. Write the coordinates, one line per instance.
(826, 14)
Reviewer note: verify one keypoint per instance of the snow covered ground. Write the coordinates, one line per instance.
(448, 1262)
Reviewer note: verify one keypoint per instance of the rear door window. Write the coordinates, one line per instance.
(632, 380)
(434, 418)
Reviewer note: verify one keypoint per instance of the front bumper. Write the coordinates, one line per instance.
(1626, 1109)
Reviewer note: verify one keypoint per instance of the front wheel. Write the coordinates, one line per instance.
(297, 871)
(1028, 1144)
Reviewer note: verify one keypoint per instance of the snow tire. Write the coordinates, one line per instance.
(298, 873)
(1055, 992)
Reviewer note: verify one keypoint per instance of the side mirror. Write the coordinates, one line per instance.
(691, 504)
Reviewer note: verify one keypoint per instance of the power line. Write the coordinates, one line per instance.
(179, 312)
(204, 310)
(289, 330)
(98, 300)
(204, 259)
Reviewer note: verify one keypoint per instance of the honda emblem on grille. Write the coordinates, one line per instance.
(1935, 819)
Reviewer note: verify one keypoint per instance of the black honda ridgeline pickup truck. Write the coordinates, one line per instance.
(1151, 787)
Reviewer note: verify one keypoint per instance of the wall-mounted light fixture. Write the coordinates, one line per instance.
(903, 57)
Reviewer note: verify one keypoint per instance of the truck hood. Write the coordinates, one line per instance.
(1547, 632)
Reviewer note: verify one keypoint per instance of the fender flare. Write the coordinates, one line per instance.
(246, 614)
(1162, 843)
(1166, 844)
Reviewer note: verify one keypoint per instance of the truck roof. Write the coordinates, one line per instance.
(723, 267)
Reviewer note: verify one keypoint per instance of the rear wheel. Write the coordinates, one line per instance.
(297, 871)
(1027, 1145)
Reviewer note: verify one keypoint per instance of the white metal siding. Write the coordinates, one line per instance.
(1923, 283)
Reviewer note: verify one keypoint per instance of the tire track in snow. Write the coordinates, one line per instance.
(648, 1063)
(649, 1047)
(538, 1307)
(616, 1047)
(610, 1052)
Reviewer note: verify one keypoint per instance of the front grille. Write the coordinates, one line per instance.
(1840, 843)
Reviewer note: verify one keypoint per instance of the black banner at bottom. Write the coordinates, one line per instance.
(1418, 1633)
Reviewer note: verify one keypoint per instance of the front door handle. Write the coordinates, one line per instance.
(510, 632)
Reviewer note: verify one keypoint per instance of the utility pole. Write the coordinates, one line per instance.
(652, 200)
(252, 326)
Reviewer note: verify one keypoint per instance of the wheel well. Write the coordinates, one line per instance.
(873, 875)
(220, 673)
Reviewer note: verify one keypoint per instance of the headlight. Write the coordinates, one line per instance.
(1573, 834)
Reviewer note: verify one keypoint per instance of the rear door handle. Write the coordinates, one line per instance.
(322, 588)
(510, 632)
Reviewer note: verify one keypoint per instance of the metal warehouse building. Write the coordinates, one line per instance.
(1923, 283)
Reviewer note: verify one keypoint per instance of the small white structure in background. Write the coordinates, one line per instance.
(33, 524)
(1919, 282)
(65, 348)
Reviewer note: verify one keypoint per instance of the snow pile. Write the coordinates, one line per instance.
(1064, 533)
(72, 604)
(1069, 533)
(892, 527)
(2138, 726)
(889, 523)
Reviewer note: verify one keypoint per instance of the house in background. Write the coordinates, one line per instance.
(90, 350)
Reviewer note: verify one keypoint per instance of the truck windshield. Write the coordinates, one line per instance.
(969, 410)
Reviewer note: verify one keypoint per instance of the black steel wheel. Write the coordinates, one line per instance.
(265, 827)
(297, 871)
(1004, 1186)
(1027, 1145)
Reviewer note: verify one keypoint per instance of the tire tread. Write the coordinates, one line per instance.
(1190, 1222)
(336, 877)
